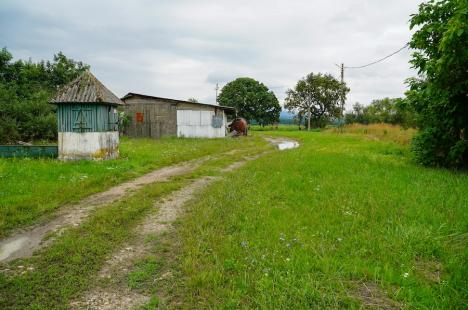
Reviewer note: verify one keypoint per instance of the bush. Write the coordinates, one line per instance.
(428, 148)
(25, 90)
(438, 94)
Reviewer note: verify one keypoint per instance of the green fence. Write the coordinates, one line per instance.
(29, 151)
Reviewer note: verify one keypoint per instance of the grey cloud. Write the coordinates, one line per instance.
(181, 49)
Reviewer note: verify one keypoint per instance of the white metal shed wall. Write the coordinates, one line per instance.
(198, 124)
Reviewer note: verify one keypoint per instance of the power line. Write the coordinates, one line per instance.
(342, 66)
(377, 61)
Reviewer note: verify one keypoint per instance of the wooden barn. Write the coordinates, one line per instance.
(156, 117)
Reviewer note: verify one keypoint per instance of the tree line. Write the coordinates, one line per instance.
(25, 90)
(388, 110)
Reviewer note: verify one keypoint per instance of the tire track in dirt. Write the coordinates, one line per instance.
(25, 242)
(119, 295)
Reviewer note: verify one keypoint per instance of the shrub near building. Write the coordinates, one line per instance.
(25, 89)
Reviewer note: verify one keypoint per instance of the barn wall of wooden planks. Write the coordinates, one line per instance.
(150, 118)
(156, 117)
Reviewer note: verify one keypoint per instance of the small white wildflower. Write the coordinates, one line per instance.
(244, 244)
(288, 259)
(339, 239)
(405, 275)
(282, 238)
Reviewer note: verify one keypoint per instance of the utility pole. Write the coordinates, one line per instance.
(216, 89)
(342, 99)
(342, 95)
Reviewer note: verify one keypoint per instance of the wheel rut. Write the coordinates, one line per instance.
(118, 295)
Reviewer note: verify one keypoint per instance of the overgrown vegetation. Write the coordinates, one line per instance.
(439, 93)
(25, 89)
(390, 111)
(31, 188)
(381, 131)
(340, 222)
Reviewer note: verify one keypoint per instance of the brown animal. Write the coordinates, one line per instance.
(238, 127)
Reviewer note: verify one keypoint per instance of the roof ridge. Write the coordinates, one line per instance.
(178, 100)
(86, 88)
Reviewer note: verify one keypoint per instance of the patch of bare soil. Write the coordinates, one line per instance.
(105, 300)
(372, 297)
(112, 291)
(25, 242)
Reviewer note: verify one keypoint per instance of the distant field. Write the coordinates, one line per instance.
(280, 127)
(384, 132)
(343, 221)
(31, 188)
(388, 132)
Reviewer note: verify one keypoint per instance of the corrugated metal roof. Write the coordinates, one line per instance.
(86, 89)
(129, 95)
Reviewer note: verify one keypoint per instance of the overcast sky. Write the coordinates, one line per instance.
(181, 49)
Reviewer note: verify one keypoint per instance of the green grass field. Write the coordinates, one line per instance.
(56, 275)
(346, 220)
(33, 188)
(341, 221)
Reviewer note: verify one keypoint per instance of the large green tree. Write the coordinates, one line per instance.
(316, 96)
(252, 100)
(440, 92)
(25, 89)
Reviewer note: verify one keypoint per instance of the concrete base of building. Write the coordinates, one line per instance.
(88, 145)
